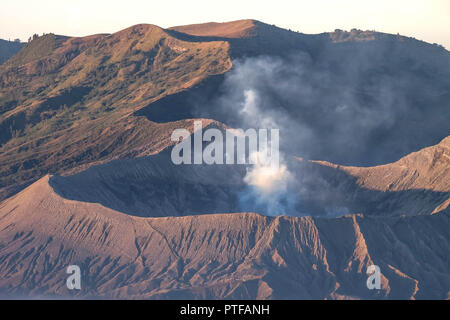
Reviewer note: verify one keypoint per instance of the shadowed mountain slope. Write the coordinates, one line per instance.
(152, 186)
(359, 98)
(8, 49)
(427, 169)
(415, 184)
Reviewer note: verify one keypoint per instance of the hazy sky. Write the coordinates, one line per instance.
(427, 20)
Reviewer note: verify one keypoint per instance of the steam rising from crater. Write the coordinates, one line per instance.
(328, 107)
(267, 181)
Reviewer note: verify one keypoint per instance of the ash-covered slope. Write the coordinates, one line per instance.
(152, 186)
(242, 255)
(416, 184)
(427, 169)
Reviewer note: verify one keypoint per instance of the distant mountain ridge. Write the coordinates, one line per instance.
(8, 49)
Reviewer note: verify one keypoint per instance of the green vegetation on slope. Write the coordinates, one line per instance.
(60, 95)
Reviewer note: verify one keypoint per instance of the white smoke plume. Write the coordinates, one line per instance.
(271, 189)
(267, 181)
